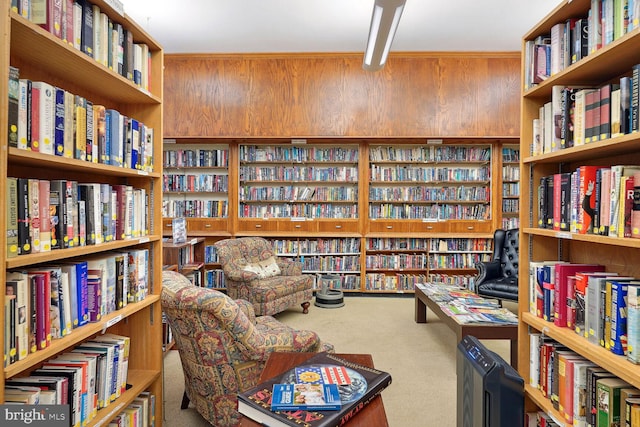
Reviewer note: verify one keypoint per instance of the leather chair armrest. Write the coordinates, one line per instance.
(487, 271)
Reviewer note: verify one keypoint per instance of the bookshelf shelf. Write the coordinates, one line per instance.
(41, 56)
(602, 65)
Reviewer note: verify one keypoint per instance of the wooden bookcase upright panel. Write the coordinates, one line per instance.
(602, 66)
(41, 56)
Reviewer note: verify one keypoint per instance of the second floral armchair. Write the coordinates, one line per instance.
(253, 272)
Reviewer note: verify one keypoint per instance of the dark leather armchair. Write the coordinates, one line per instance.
(498, 278)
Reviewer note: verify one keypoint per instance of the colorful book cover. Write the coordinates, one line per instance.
(365, 384)
(305, 396)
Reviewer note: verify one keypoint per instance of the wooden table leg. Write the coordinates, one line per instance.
(420, 310)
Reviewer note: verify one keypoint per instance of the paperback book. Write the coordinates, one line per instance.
(357, 386)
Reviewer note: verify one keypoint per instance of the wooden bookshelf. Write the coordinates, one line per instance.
(263, 173)
(606, 64)
(510, 191)
(41, 56)
(187, 257)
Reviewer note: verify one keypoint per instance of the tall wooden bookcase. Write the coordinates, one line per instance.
(39, 55)
(620, 255)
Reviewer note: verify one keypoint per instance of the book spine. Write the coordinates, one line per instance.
(89, 132)
(12, 217)
(24, 108)
(86, 28)
(58, 138)
(80, 127)
(13, 106)
(24, 235)
(34, 214)
(618, 341)
(69, 129)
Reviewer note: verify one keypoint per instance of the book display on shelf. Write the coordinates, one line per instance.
(357, 386)
(510, 187)
(601, 158)
(298, 181)
(195, 180)
(70, 211)
(455, 182)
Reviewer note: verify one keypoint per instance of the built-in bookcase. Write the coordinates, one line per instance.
(602, 65)
(40, 55)
(303, 181)
(322, 189)
(335, 256)
(196, 181)
(510, 187)
(430, 182)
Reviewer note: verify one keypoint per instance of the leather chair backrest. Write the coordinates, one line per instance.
(509, 257)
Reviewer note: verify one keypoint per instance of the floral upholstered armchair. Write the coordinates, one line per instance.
(254, 273)
(223, 346)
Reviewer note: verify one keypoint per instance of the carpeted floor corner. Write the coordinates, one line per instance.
(421, 358)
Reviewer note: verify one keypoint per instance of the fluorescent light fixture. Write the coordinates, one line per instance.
(384, 22)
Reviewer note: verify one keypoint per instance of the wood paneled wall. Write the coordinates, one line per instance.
(330, 95)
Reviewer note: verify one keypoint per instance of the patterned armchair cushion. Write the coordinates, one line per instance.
(223, 346)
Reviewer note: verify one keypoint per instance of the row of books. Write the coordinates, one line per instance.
(299, 173)
(511, 173)
(293, 153)
(294, 193)
(465, 281)
(195, 208)
(88, 378)
(48, 302)
(598, 305)
(428, 174)
(430, 153)
(214, 279)
(591, 200)
(86, 27)
(195, 183)
(200, 158)
(458, 260)
(433, 212)
(395, 282)
(583, 393)
(578, 115)
(141, 412)
(340, 263)
(510, 154)
(316, 246)
(51, 120)
(396, 261)
(574, 39)
(43, 215)
(427, 194)
(293, 210)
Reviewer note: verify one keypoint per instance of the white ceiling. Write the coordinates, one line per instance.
(259, 26)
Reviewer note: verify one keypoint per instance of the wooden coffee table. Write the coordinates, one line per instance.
(373, 415)
(479, 330)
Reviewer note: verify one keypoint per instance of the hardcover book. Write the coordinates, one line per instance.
(305, 396)
(365, 384)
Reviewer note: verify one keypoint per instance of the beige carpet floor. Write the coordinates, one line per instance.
(421, 358)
